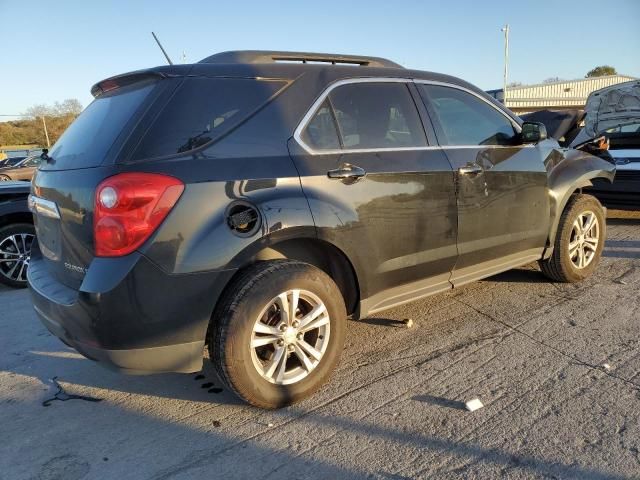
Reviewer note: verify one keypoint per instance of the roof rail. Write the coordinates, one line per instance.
(266, 56)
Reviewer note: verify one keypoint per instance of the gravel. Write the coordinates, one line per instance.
(556, 366)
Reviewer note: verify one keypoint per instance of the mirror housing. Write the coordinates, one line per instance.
(533, 132)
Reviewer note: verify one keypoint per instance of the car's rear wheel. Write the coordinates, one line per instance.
(278, 333)
(579, 241)
(15, 253)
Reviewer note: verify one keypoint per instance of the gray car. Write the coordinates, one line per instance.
(23, 170)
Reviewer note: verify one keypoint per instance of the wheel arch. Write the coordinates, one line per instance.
(568, 178)
(308, 249)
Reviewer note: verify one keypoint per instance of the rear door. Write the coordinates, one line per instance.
(378, 189)
(503, 201)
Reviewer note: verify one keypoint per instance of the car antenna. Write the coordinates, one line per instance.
(161, 48)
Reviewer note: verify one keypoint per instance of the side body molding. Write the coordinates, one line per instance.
(569, 170)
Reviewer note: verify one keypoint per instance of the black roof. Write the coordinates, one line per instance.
(291, 65)
(271, 56)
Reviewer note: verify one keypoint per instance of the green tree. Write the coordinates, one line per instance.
(601, 71)
(29, 130)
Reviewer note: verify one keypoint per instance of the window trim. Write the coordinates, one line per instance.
(297, 134)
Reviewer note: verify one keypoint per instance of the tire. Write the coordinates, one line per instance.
(12, 246)
(563, 266)
(252, 300)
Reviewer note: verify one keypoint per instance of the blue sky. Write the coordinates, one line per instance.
(52, 50)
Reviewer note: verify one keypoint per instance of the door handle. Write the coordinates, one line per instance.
(347, 171)
(470, 169)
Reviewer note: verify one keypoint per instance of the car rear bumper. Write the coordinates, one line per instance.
(149, 322)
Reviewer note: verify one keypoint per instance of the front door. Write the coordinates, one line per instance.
(503, 202)
(378, 192)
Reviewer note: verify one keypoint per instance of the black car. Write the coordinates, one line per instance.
(255, 200)
(16, 233)
(10, 161)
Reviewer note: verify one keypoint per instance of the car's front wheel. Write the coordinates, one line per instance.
(579, 241)
(15, 253)
(278, 332)
(5, 178)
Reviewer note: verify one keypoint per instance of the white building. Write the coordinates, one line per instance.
(562, 95)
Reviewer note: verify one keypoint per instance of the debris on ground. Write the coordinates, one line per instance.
(408, 322)
(64, 396)
(606, 366)
(474, 404)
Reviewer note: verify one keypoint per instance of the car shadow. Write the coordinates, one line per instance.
(70, 367)
(518, 275)
(622, 249)
(623, 221)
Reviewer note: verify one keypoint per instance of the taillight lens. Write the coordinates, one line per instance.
(129, 207)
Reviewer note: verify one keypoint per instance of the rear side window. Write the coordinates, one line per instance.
(88, 139)
(202, 110)
(321, 132)
(366, 116)
(467, 120)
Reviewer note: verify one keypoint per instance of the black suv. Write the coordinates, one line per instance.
(254, 201)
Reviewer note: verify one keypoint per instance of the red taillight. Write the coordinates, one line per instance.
(128, 209)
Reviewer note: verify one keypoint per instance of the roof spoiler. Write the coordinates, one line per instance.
(123, 80)
(266, 56)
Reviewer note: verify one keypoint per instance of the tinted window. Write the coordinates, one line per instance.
(467, 120)
(91, 135)
(321, 133)
(31, 161)
(377, 115)
(201, 110)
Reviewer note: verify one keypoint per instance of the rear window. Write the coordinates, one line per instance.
(88, 139)
(201, 110)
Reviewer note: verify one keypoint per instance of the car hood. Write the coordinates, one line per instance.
(14, 187)
(612, 107)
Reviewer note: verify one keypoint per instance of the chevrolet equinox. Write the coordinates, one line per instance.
(254, 201)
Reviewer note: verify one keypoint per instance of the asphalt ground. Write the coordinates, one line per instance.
(557, 367)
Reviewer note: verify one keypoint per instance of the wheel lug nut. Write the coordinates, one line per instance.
(281, 343)
(295, 324)
(300, 336)
(282, 327)
(290, 348)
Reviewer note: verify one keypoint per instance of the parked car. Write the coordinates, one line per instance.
(16, 233)
(613, 116)
(10, 161)
(23, 170)
(255, 200)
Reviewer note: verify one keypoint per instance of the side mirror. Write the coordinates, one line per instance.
(533, 132)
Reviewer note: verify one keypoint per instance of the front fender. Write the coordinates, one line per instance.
(570, 170)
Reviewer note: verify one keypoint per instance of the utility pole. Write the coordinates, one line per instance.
(46, 134)
(505, 29)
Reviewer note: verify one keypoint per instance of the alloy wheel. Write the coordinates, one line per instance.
(15, 253)
(290, 337)
(584, 239)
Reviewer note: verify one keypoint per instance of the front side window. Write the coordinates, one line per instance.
(201, 110)
(467, 120)
(366, 116)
